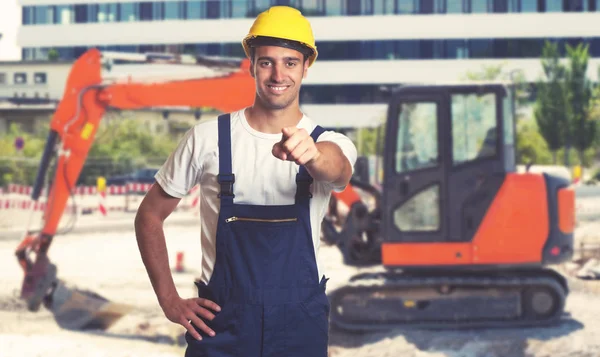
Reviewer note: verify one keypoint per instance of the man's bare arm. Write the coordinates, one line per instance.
(156, 206)
(153, 211)
(330, 164)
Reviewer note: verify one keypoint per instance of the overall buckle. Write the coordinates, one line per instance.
(226, 182)
(303, 187)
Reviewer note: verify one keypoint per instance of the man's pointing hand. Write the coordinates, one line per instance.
(296, 145)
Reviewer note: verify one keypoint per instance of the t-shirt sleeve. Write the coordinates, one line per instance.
(346, 145)
(181, 171)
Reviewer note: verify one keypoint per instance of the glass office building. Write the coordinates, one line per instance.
(364, 45)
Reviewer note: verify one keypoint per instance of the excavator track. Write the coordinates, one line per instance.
(380, 301)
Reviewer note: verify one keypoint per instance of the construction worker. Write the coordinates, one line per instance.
(266, 173)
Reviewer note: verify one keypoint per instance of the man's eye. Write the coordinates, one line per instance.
(291, 64)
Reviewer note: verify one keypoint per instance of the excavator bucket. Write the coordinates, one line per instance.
(76, 309)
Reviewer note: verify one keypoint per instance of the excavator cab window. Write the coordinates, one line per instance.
(443, 137)
(416, 143)
(474, 127)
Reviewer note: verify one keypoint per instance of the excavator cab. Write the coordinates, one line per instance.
(462, 238)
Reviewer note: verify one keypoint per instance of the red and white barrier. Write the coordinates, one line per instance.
(87, 199)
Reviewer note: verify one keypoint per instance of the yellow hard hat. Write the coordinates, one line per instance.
(282, 26)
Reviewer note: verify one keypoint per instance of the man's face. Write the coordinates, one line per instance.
(278, 72)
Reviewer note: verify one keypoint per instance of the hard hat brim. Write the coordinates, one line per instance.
(251, 41)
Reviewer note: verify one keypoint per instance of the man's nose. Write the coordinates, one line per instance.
(277, 74)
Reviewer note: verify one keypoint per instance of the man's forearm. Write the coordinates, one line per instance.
(152, 245)
(331, 165)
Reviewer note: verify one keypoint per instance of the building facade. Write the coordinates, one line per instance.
(364, 45)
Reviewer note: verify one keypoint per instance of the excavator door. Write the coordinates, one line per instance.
(448, 149)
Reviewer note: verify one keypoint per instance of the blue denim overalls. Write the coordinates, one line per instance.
(265, 276)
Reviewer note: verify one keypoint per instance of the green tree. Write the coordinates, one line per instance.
(53, 55)
(582, 129)
(550, 109)
(497, 73)
(532, 146)
(120, 147)
(20, 166)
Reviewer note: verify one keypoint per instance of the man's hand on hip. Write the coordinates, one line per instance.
(188, 311)
(296, 145)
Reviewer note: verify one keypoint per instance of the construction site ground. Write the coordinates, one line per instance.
(102, 256)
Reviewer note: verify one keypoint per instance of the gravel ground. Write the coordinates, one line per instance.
(109, 264)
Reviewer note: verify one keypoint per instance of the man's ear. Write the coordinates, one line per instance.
(252, 68)
(305, 69)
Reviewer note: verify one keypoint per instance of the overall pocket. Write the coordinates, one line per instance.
(307, 325)
(228, 334)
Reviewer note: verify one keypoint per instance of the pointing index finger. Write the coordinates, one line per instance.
(289, 131)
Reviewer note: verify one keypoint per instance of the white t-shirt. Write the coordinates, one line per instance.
(260, 178)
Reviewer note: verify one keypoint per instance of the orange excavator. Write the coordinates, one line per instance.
(218, 83)
(454, 235)
(459, 238)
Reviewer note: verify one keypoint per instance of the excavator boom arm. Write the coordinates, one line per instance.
(87, 96)
(86, 99)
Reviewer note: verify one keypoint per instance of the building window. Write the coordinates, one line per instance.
(554, 5)
(44, 15)
(146, 11)
(3, 78)
(64, 15)
(455, 6)
(213, 9)
(406, 6)
(483, 48)
(20, 78)
(129, 12)
(313, 7)
(260, 6)
(383, 7)
(107, 13)
(479, 6)
(158, 11)
(39, 78)
(407, 49)
(174, 10)
(27, 17)
(358, 50)
(576, 6)
(529, 6)
(81, 14)
(238, 8)
(457, 49)
(334, 8)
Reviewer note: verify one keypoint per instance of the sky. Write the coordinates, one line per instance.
(10, 16)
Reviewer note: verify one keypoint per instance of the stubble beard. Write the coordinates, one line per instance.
(277, 103)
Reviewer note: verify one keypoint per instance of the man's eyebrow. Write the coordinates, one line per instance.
(262, 58)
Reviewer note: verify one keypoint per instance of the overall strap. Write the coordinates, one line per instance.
(303, 178)
(226, 177)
